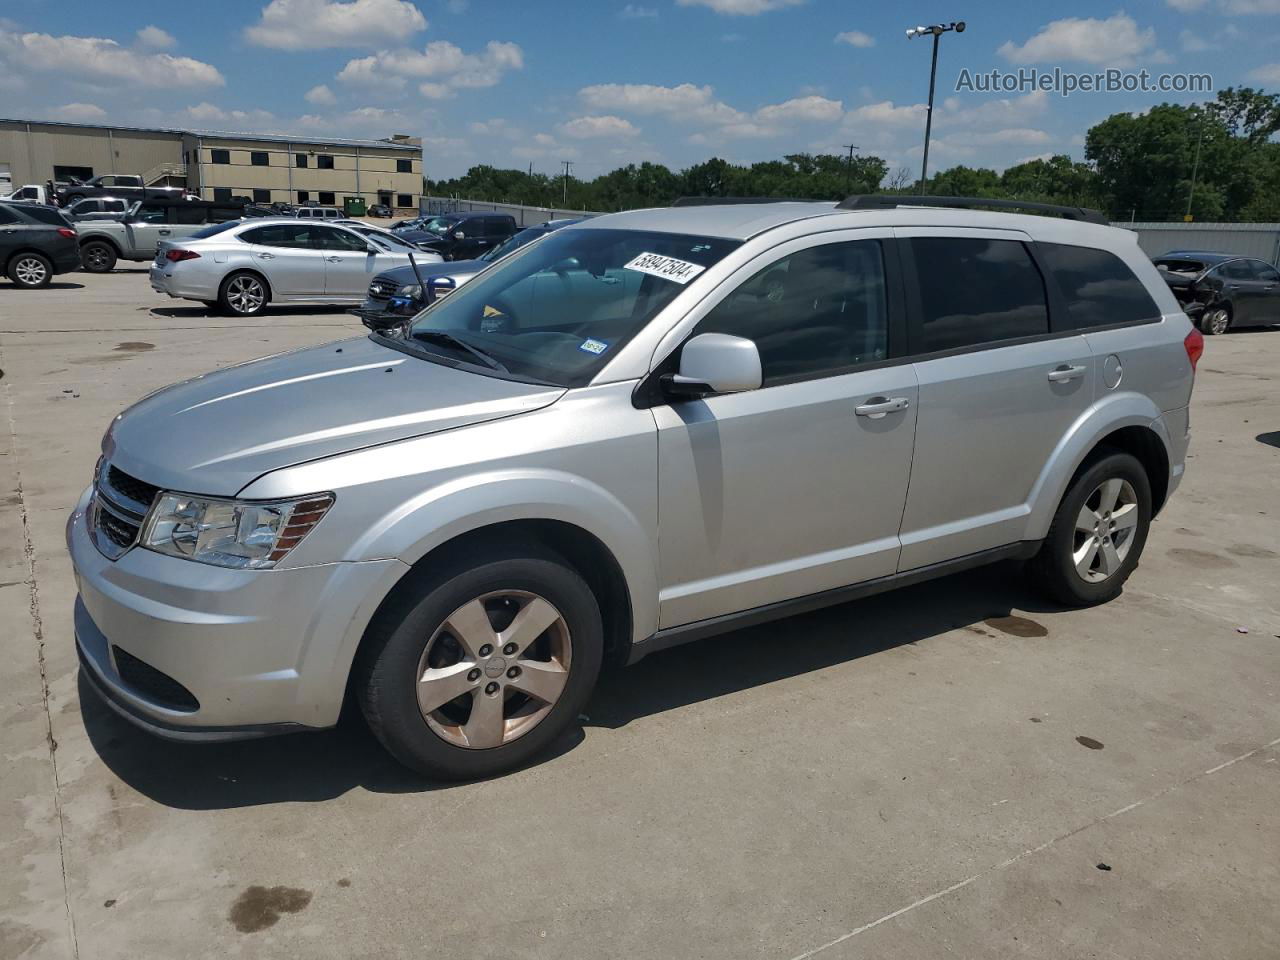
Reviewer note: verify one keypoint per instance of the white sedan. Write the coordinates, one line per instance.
(244, 265)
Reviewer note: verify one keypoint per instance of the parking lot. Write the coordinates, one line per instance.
(954, 769)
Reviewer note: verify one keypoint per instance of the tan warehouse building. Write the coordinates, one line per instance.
(218, 165)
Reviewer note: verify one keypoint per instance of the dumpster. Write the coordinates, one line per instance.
(354, 206)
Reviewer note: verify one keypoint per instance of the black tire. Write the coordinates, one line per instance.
(1053, 570)
(386, 670)
(1215, 320)
(233, 304)
(98, 256)
(30, 270)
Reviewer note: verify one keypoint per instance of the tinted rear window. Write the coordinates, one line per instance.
(46, 215)
(214, 229)
(1098, 286)
(975, 291)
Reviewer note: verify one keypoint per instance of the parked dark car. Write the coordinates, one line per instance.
(36, 242)
(462, 236)
(1220, 291)
(379, 210)
(128, 186)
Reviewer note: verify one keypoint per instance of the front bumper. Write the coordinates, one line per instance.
(260, 652)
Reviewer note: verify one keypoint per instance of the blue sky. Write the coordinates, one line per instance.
(608, 82)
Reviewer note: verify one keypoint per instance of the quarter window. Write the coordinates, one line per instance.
(818, 311)
(975, 291)
(1098, 286)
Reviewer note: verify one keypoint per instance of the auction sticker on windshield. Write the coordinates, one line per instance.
(669, 268)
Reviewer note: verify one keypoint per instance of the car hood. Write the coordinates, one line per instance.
(219, 432)
(402, 276)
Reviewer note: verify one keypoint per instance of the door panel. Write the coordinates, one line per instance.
(780, 492)
(988, 422)
(291, 271)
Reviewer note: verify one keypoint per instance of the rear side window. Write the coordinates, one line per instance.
(292, 235)
(47, 215)
(1236, 270)
(1265, 272)
(1098, 286)
(7, 215)
(975, 291)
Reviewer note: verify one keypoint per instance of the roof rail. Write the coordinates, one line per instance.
(884, 201)
(724, 201)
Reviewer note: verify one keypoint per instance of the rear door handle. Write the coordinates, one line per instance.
(1065, 373)
(266, 256)
(877, 407)
(333, 259)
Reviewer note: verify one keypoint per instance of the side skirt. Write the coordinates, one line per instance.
(700, 629)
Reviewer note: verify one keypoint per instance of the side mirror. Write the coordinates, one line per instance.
(715, 363)
(459, 235)
(370, 249)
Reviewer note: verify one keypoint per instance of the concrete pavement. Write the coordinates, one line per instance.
(956, 769)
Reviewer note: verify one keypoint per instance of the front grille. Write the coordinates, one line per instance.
(146, 681)
(118, 531)
(382, 288)
(139, 491)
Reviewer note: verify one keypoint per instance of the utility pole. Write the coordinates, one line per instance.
(936, 30)
(1195, 166)
(848, 170)
(568, 165)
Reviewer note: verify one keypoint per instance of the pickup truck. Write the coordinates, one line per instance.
(31, 193)
(116, 185)
(137, 235)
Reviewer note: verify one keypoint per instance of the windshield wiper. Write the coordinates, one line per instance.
(442, 336)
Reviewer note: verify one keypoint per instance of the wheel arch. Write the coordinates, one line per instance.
(102, 238)
(20, 252)
(266, 282)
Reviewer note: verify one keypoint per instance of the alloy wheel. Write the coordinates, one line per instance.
(96, 259)
(1219, 320)
(1104, 530)
(494, 669)
(30, 272)
(246, 295)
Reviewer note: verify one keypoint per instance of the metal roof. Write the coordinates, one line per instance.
(225, 134)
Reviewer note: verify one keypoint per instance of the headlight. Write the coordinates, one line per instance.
(231, 533)
(413, 291)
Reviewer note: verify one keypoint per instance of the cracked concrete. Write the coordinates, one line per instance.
(941, 771)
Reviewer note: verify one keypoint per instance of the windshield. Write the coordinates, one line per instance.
(386, 240)
(560, 309)
(514, 242)
(439, 225)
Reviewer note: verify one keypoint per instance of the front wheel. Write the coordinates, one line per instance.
(243, 294)
(31, 270)
(1215, 322)
(1097, 533)
(475, 667)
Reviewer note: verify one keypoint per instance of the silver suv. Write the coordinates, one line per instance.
(643, 429)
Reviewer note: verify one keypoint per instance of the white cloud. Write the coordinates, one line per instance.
(1114, 41)
(80, 112)
(635, 12)
(321, 96)
(587, 128)
(318, 24)
(812, 109)
(885, 115)
(741, 8)
(856, 38)
(207, 114)
(684, 101)
(155, 38)
(435, 91)
(1186, 6)
(1004, 112)
(1270, 73)
(103, 62)
(442, 64)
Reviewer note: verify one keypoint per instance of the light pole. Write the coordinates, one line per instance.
(937, 30)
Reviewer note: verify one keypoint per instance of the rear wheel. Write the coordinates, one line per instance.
(1215, 321)
(31, 270)
(98, 256)
(1097, 534)
(478, 666)
(243, 294)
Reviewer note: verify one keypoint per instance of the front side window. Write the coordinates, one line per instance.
(147, 214)
(815, 312)
(1265, 272)
(331, 238)
(975, 291)
(560, 309)
(1099, 287)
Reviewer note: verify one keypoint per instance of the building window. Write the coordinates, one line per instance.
(324, 161)
(261, 196)
(222, 193)
(304, 196)
(404, 200)
(64, 173)
(300, 160)
(219, 156)
(326, 198)
(259, 158)
(404, 166)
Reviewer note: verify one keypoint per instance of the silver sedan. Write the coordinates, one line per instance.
(244, 265)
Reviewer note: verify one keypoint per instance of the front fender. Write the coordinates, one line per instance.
(465, 504)
(1110, 413)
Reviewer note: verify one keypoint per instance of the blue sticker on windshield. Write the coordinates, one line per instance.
(593, 346)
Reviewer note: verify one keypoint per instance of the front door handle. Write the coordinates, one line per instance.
(1065, 373)
(266, 256)
(333, 259)
(165, 233)
(877, 407)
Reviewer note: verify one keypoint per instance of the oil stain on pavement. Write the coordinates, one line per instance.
(260, 907)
